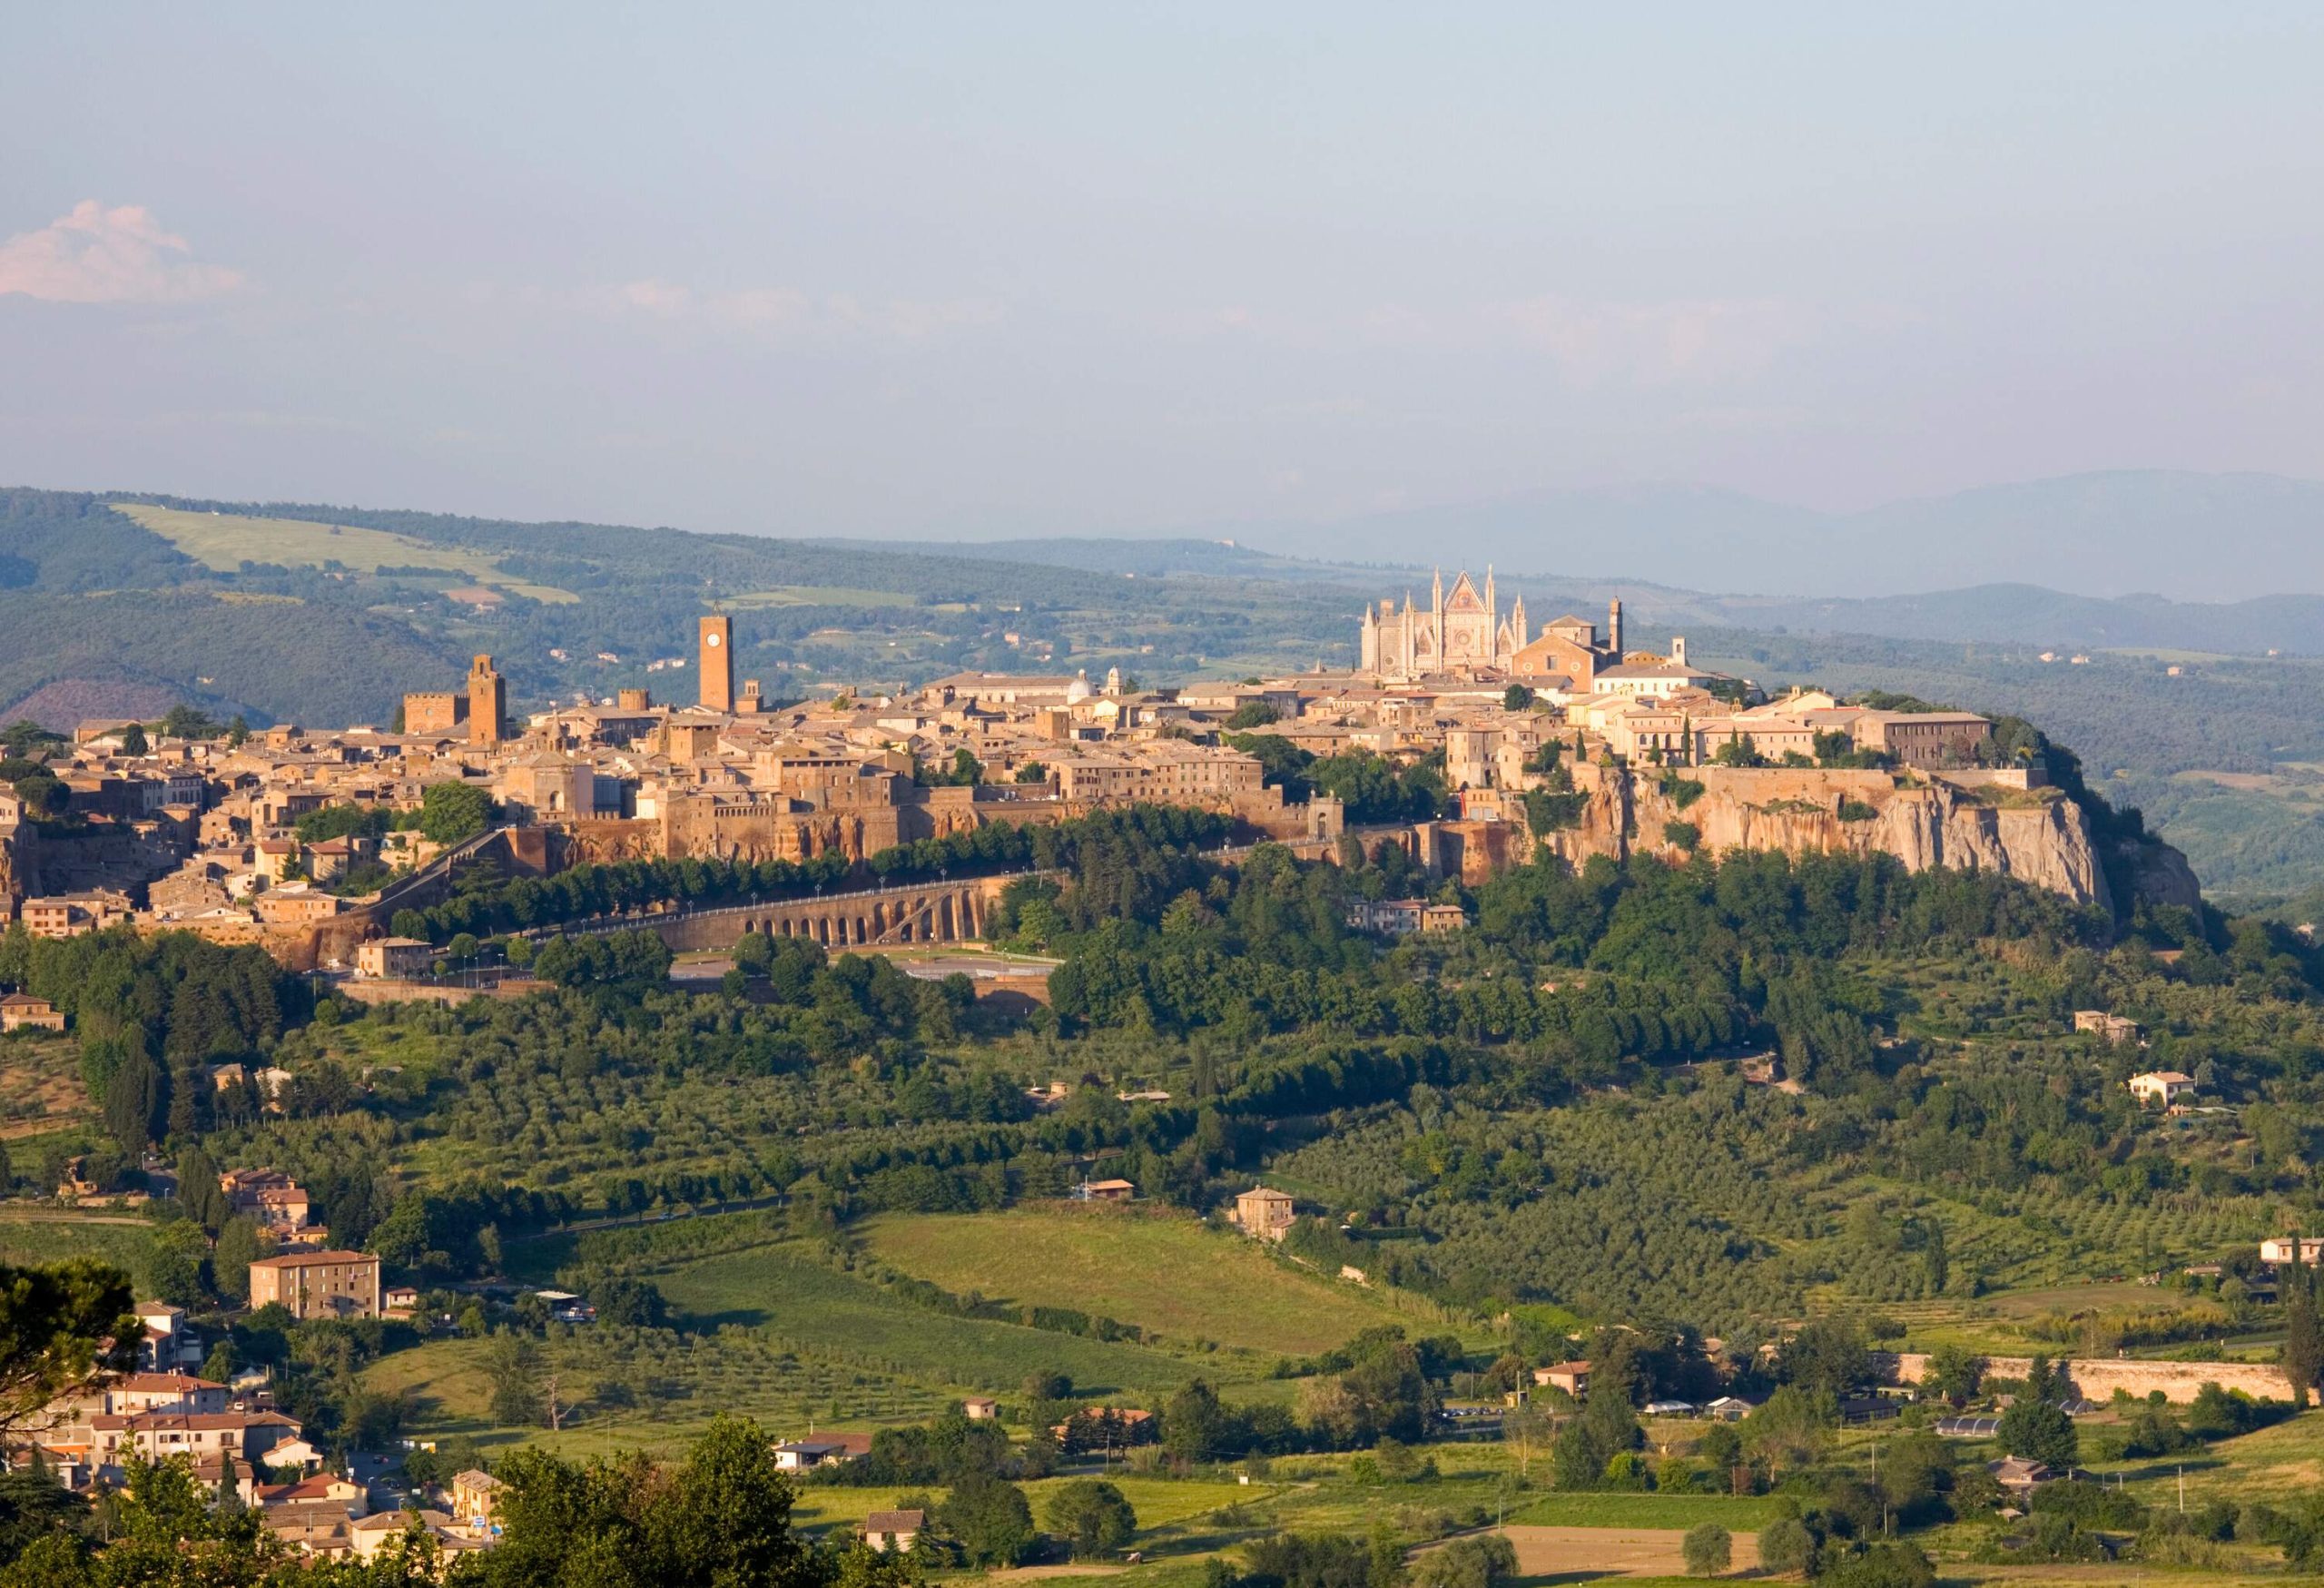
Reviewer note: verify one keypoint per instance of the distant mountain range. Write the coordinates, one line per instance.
(2200, 537)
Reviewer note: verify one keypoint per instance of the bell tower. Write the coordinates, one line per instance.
(717, 661)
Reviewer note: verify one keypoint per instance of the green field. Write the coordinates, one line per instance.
(123, 1240)
(814, 595)
(784, 1294)
(225, 541)
(1166, 1272)
(1682, 1511)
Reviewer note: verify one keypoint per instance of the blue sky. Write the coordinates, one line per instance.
(981, 271)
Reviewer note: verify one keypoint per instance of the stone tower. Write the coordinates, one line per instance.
(717, 661)
(488, 703)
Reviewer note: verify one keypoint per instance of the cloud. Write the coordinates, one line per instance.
(787, 311)
(96, 255)
(1652, 344)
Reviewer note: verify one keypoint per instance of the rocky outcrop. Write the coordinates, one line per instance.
(2039, 836)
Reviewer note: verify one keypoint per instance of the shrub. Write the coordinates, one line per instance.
(1681, 792)
(1785, 1545)
(1852, 810)
(1683, 835)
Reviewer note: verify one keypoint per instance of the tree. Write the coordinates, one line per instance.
(63, 1326)
(238, 731)
(1789, 1430)
(1194, 1425)
(230, 1265)
(989, 1519)
(450, 812)
(1032, 772)
(2303, 1352)
(1517, 698)
(1486, 1562)
(1092, 1516)
(181, 1255)
(2038, 1430)
(1787, 1545)
(1252, 714)
(1707, 1549)
(1607, 1429)
(1884, 1565)
(132, 740)
(1826, 1356)
(1955, 1373)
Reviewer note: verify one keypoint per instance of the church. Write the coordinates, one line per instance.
(1462, 631)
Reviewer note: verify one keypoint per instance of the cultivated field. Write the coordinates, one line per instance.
(1166, 1272)
(225, 541)
(785, 1294)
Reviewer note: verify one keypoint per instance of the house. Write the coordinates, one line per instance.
(163, 1392)
(2160, 1086)
(21, 1011)
(1404, 917)
(893, 1530)
(2279, 1250)
(368, 1536)
(1107, 1190)
(978, 1408)
(1671, 1408)
(328, 1284)
(171, 1342)
(799, 1455)
(324, 1488)
(393, 959)
(2019, 1476)
(473, 1495)
(2116, 1029)
(1729, 1408)
(1573, 1378)
(402, 1298)
(1265, 1213)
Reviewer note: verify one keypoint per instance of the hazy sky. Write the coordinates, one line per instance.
(1001, 269)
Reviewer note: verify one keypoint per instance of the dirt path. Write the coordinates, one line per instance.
(1628, 1552)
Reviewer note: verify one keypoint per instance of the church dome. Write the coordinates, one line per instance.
(1078, 690)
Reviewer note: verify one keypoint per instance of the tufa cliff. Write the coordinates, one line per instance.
(2039, 836)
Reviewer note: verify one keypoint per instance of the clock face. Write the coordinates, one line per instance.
(709, 639)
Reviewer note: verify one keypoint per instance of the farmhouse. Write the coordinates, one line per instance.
(893, 1530)
(1264, 1213)
(1573, 1378)
(2164, 1086)
(22, 1010)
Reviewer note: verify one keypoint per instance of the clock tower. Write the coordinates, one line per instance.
(717, 661)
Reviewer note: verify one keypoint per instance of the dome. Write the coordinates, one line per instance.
(1078, 690)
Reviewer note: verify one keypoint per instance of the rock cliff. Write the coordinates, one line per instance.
(2038, 835)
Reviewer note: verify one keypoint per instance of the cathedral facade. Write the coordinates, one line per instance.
(1456, 632)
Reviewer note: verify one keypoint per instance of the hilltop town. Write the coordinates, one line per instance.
(311, 839)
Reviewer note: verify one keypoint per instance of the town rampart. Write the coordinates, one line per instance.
(2097, 1378)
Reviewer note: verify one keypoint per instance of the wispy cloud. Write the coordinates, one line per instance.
(96, 255)
(788, 312)
(1652, 344)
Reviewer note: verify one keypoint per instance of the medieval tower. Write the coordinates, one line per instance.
(488, 703)
(717, 661)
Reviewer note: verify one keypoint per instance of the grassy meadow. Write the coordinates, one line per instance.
(225, 541)
(1172, 1275)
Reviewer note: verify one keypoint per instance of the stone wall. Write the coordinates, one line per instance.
(2097, 1378)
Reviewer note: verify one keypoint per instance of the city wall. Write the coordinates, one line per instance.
(2097, 1378)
